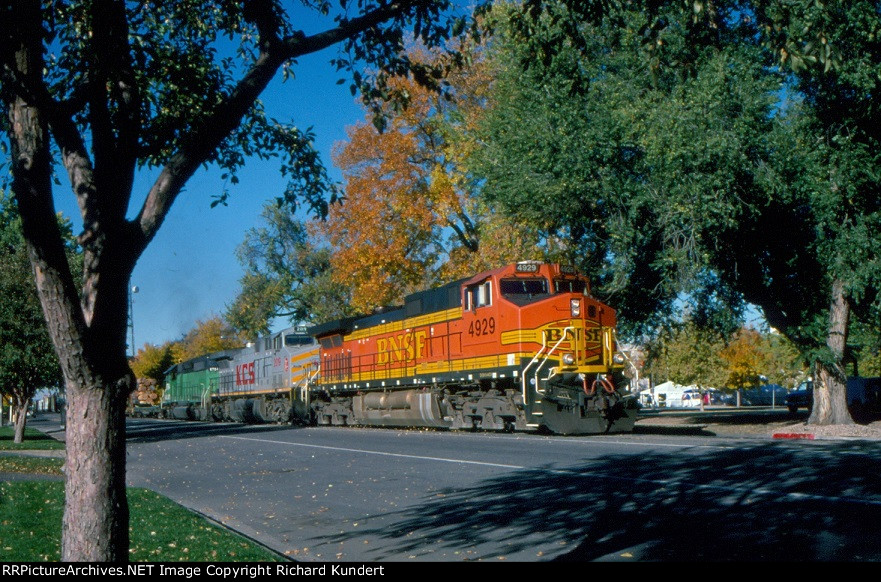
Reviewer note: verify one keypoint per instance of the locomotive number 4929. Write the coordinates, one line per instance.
(483, 326)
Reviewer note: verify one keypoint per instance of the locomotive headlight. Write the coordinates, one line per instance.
(568, 359)
(575, 307)
(618, 358)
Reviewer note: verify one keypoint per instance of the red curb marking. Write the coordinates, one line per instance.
(793, 435)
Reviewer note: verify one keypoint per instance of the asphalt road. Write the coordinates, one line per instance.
(354, 494)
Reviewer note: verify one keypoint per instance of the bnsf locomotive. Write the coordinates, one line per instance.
(523, 347)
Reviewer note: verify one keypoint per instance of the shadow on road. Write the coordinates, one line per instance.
(148, 431)
(673, 430)
(762, 502)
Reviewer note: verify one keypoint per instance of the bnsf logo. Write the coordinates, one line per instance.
(401, 348)
(245, 374)
(592, 335)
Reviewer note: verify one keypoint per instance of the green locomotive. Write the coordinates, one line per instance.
(189, 386)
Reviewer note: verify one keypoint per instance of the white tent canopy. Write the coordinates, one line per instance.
(672, 395)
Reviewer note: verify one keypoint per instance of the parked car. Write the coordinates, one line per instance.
(801, 397)
(766, 395)
(863, 397)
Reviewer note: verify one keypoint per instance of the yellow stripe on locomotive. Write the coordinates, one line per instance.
(514, 348)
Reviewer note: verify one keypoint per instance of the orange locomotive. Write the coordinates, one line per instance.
(518, 348)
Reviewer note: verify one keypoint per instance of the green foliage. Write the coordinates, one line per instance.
(870, 364)
(751, 357)
(783, 363)
(826, 169)
(630, 140)
(286, 275)
(663, 147)
(184, 60)
(865, 349)
(27, 357)
(688, 355)
(834, 38)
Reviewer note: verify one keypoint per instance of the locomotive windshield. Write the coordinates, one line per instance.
(298, 340)
(570, 286)
(522, 291)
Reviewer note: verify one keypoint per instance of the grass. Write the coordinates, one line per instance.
(33, 440)
(34, 465)
(160, 530)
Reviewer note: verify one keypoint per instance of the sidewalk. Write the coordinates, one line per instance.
(754, 422)
(49, 423)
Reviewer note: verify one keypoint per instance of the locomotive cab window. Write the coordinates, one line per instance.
(570, 286)
(297, 340)
(478, 295)
(522, 291)
(331, 341)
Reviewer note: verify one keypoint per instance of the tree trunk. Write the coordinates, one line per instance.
(96, 518)
(20, 411)
(89, 337)
(830, 378)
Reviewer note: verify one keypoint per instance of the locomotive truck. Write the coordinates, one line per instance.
(522, 347)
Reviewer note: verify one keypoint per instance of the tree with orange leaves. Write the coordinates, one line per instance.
(744, 358)
(752, 357)
(410, 218)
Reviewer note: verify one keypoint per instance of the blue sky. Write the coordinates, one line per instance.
(189, 272)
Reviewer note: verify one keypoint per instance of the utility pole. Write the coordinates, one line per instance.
(131, 316)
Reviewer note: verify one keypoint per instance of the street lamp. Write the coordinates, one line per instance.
(131, 316)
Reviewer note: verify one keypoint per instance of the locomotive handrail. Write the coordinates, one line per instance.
(608, 351)
(529, 365)
(544, 358)
(566, 332)
(206, 398)
(305, 393)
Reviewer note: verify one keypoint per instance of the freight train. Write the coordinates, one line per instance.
(523, 347)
